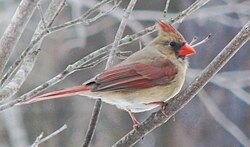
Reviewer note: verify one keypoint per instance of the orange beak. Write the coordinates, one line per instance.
(186, 49)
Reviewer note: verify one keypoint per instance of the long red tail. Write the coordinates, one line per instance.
(58, 94)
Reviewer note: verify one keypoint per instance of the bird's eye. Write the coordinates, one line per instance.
(172, 44)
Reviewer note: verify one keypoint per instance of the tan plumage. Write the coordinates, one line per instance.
(142, 81)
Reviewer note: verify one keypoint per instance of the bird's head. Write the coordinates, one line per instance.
(171, 42)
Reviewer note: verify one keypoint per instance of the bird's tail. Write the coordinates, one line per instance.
(58, 94)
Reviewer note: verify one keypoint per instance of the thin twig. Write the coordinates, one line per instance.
(15, 29)
(124, 54)
(119, 33)
(40, 10)
(84, 18)
(103, 51)
(202, 41)
(36, 142)
(30, 54)
(40, 140)
(10, 88)
(111, 57)
(47, 31)
(101, 14)
(92, 63)
(165, 11)
(195, 6)
(194, 39)
(178, 102)
(50, 15)
(92, 124)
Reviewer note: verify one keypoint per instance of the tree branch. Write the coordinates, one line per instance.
(15, 29)
(15, 83)
(92, 124)
(40, 140)
(49, 29)
(165, 11)
(111, 57)
(94, 55)
(178, 102)
(28, 57)
(119, 33)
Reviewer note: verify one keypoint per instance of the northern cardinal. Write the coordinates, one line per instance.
(143, 81)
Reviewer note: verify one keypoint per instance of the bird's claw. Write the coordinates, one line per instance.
(135, 126)
(163, 108)
(162, 104)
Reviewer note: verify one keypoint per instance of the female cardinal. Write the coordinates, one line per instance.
(143, 81)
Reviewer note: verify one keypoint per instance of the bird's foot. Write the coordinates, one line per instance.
(162, 105)
(135, 121)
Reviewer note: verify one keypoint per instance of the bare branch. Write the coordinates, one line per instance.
(111, 57)
(202, 41)
(124, 54)
(15, 29)
(82, 19)
(178, 102)
(165, 11)
(92, 124)
(194, 39)
(92, 63)
(13, 86)
(30, 54)
(40, 10)
(101, 52)
(35, 144)
(49, 30)
(51, 14)
(101, 14)
(40, 138)
(195, 6)
(119, 33)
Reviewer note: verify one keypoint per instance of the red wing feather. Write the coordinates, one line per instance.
(134, 76)
(116, 72)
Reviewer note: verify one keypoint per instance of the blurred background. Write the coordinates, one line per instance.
(217, 116)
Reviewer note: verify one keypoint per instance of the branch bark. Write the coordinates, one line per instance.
(178, 102)
(15, 29)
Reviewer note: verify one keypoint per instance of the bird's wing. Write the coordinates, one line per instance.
(127, 77)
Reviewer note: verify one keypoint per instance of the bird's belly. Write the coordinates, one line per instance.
(136, 101)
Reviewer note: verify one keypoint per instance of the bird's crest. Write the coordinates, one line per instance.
(166, 27)
(167, 30)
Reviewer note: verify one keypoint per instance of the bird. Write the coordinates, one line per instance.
(146, 79)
